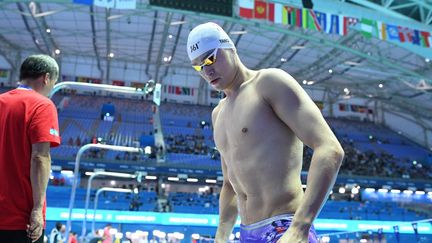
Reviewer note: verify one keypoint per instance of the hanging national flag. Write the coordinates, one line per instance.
(185, 91)
(278, 13)
(299, 17)
(335, 24)
(352, 21)
(140, 85)
(382, 30)
(260, 11)
(104, 3)
(305, 18)
(392, 32)
(322, 19)
(118, 83)
(312, 21)
(285, 16)
(246, 8)
(415, 39)
(292, 13)
(343, 25)
(430, 40)
(94, 81)
(271, 12)
(368, 27)
(347, 22)
(171, 89)
(82, 79)
(404, 35)
(424, 37)
(125, 4)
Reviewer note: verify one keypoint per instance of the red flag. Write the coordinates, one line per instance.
(404, 34)
(246, 8)
(425, 38)
(299, 18)
(246, 13)
(118, 82)
(271, 12)
(260, 10)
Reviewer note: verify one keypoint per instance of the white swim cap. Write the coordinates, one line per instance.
(206, 37)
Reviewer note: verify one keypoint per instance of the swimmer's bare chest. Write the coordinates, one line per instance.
(262, 155)
(249, 135)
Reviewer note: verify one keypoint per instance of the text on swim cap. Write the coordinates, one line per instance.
(224, 41)
(194, 47)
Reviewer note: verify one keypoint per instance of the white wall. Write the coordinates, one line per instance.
(348, 113)
(409, 128)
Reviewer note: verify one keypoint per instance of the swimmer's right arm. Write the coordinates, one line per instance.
(227, 209)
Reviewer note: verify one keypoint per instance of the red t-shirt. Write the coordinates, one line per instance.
(26, 117)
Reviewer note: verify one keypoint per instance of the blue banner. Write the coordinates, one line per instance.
(397, 197)
(175, 219)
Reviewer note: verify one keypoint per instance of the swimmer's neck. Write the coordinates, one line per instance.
(243, 75)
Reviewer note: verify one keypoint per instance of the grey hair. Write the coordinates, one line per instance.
(35, 66)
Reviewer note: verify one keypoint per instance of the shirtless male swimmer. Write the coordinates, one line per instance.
(259, 130)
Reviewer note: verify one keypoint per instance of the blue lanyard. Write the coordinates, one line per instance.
(23, 86)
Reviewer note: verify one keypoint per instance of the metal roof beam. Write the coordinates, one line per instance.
(381, 9)
(35, 40)
(94, 42)
(108, 43)
(41, 27)
(177, 38)
(162, 45)
(150, 49)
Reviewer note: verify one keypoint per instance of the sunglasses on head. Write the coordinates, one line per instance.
(210, 59)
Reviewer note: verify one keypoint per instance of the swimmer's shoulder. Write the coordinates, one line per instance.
(273, 77)
(273, 74)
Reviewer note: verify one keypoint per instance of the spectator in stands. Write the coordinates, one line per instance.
(259, 129)
(107, 237)
(153, 240)
(29, 124)
(56, 234)
(73, 237)
(78, 141)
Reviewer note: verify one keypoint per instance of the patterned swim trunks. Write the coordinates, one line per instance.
(270, 230)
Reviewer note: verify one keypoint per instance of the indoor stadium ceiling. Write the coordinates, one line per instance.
(153, 39)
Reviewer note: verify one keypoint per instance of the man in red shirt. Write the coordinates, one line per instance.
(28, 128)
